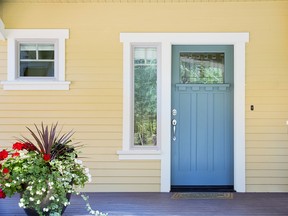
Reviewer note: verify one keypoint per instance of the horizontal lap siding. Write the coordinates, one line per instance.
(93, 105)
(267, 90)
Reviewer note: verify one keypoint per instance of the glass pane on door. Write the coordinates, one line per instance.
(202, 68)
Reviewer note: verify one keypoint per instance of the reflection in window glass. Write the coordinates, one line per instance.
(36, 60)
(145, 96)
(202, 68)
(46, 51)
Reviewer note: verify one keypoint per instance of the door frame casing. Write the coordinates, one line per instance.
(166, 40)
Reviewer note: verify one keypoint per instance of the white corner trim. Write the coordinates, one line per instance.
(36, 85)
(166, 40)
(2, 30)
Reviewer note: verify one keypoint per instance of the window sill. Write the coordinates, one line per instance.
(35, 85)
(139, 155)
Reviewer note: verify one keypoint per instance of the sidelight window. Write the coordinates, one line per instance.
(145, 96)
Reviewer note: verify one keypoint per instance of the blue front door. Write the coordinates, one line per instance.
(202, 115)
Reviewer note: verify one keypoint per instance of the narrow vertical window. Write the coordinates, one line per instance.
(145, 96)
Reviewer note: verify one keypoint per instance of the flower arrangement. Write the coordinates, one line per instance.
(44, 171)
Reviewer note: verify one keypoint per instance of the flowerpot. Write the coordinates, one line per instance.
(45, 202)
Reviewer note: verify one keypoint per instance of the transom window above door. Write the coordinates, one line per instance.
(201, 68)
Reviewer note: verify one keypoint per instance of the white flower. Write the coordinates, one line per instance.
(78, 161)
(43, 189)
(89, 177)
(86, 170)
(31, 199)
(51, 198)
(39, 192)
(7, 185)
(38, 202)
(66, 203)
(21, 205)
(50, 184)
(45, 209)
(22, 154)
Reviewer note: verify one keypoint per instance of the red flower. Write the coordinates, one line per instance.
(16, 154)
(18, 146)
(47, 157)
(2, 194)
(3, 154)
(29, 146)
(5, 170)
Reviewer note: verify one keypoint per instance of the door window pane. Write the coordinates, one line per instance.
(202, 68)
(145, 96)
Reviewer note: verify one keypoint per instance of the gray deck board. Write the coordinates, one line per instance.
(161, 204)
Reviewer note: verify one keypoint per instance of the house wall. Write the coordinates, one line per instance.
(93, 105)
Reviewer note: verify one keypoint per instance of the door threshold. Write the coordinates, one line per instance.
(206, 188)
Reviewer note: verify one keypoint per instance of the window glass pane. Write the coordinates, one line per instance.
(202, 68)
(46, 51)
(36, 60)
(27, 51)
(36, 69)
(145, 96)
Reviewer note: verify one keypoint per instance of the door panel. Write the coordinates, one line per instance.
(202, 153)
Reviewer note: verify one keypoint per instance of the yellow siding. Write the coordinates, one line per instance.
(93, 106)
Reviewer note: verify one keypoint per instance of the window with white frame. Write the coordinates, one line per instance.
(36, 59)
(140, 111)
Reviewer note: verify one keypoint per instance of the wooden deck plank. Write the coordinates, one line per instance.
(161, 204)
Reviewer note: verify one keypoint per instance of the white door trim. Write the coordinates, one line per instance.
(166, 40)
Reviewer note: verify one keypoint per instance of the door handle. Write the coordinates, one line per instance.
(174, 123)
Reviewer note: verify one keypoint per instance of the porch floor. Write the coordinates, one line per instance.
(161, 204)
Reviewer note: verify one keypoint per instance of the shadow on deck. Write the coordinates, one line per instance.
(161, 204)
